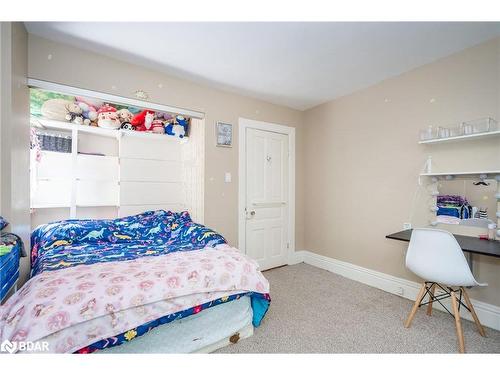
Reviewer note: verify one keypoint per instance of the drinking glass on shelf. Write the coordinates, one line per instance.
(427, 134)
(443, 132)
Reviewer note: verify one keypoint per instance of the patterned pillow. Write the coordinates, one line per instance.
(3, 223)
(145, 226)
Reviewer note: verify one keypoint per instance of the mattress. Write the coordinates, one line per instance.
(201, 333)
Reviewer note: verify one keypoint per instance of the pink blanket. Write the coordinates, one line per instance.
(74, 307)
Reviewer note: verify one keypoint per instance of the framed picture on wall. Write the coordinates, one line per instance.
(224, 134)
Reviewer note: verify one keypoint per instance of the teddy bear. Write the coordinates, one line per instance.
(143, 120)
(107, 118)
(125, 117)
(74, 113)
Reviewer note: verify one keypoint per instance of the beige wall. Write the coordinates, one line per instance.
(15, 133)
(358, 162)
(76, 67)
(362, 159)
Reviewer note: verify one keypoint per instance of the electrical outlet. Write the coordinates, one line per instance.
(406, 226)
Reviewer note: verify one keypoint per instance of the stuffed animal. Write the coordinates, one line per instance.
(74, 113)
(90, 101)
(178, 127)
(181, 120)
(126, 126)
(157, 127)
(148, 120)
(163, 116)
(124, 115)
(55, 109)
(176, 130)
(107, 118)
(143, 120)
(89, 114)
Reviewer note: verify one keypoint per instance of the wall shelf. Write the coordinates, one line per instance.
(97, 205)
(46, 124)
(491, 134)
(36, 206)
(92, 156)
(490, 174)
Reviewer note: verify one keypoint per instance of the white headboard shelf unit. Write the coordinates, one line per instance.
(139, 171)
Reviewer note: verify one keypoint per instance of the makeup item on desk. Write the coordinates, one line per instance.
(482, 213)
(492, 231)
(474, 212)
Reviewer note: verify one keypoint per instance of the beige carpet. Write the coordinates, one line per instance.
(316, 311)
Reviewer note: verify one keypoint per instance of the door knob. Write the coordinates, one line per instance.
(252, 213)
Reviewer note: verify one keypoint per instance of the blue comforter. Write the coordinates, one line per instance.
(70, 243)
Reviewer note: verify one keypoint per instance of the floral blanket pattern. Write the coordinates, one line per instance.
(72, 242)
(74, 307)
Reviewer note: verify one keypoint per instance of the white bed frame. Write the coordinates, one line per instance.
(206, 332)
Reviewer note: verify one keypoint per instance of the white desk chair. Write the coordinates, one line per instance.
(435, 256)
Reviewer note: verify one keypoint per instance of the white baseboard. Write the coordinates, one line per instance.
(488, 314)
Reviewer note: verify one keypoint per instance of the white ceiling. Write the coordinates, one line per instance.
(299, 65)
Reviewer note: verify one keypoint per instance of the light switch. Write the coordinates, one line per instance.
(227, 177)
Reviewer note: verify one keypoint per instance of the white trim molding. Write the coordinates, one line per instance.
(77, 91)
(243, 124)
(489, 315)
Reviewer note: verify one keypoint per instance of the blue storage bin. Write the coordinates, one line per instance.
(9, 269)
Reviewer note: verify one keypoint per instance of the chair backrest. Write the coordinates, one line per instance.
(435, 255)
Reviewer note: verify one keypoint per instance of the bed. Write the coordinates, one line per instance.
(98, 284)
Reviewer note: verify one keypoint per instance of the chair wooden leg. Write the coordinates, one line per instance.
(473, 313)
(415, 306)
(458, 324)
(433, 293)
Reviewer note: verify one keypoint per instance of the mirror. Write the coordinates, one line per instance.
(465, 202)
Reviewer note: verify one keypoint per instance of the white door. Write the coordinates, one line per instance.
(267, 206)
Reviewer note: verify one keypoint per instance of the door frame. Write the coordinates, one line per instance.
(243, 125)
